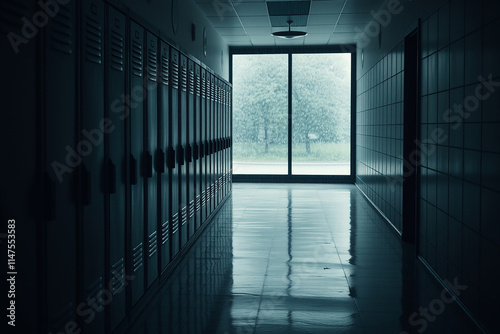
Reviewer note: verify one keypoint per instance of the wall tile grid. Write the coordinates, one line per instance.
(379, 134)
(459, 177)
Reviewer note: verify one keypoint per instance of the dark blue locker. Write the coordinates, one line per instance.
(211, 123)
(93, 128)
(230, 139)
(137, 161)
(117, 112)
(190, 149)
(197, 148)
(63, 160)
(20, 125)
(173, 151)
(163, 142)
(150, 153)
(181, 153)
(204, 145)
(218, 129)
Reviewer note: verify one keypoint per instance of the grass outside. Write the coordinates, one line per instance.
(320, 152)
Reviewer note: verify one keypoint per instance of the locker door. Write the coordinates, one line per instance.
(150, 153)
(204, 146)
(20, 109)
(219, 146)
(191, 144)
(181, 154)
(116, 108)
(63, 157)
(228, 149)
(212, 142)
(173, 150)
(197, 148)
(230, 139)
(223, 140)
(137, 158)
(164, 132)
(93, 128)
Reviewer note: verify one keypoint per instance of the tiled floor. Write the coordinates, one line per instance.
(283, 258)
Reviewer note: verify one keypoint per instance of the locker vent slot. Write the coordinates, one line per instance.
(59, 321)
(152, 244)
(11, 13)
(61, 32)
(184, 217)
(117, 50)
(203, 87)
(191, 209)
(164, 70)
(191, 82)
(175, 75)
(152, 64)
(184, 78)
(93, 41)
(94, 291)
(164, 233)
(203, 199)
(137, 58)
(137, 257)
(198, 84)
(175, 223)
(198, 203)
(118, 276)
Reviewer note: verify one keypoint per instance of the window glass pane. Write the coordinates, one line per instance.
(260, 114)
(321, 114)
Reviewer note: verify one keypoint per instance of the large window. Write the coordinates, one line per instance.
(292, 114)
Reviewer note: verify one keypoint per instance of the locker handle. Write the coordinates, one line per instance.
(133, 170)
(86, 183)
(171, 158)
(196, 152)
(111, 177)
(219, 144)
(212, 147)
(189, 153)
(202, 150)
(148, 165)
(50, 198)
(160, 161)
(180, 155)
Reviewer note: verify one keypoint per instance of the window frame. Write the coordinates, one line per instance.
(301, 50)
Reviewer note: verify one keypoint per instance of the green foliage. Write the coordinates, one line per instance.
(320, 152)
(320, 100)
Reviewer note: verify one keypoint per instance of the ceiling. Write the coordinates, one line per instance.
(247, 22)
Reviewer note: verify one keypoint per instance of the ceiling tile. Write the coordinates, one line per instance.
(320, 29)
(326, 7)
(362, 6)
(255, 21)
(346, 28)
(252, 31)
(360, 19)
(282, 21)
(322, 19)
(250, 9)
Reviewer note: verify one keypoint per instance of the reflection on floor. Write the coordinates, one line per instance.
(284, 258)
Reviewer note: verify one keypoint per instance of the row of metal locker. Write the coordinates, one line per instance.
(132, 155)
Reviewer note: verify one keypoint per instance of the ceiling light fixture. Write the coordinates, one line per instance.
(289, 34)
